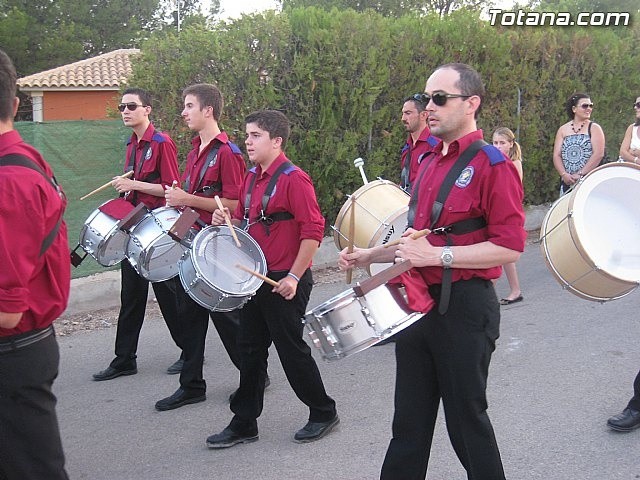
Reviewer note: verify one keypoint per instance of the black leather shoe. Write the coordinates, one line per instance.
(228, 438)
(176, 367)
(179, 399)
(313, 431)
(626, 421)
(267, 382)
(111, 373)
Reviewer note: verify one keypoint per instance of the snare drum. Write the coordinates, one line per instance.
(101, 236)
(589, 237)
(347, 324)
(208, 270)
(151, 251)
(380, 209)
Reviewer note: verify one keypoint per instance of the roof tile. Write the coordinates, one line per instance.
(107, 70)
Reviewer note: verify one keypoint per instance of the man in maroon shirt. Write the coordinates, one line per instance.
(289, 229)
(215, 166)
(152, 156)
(419, 142)
(446, 354)
(34, 289)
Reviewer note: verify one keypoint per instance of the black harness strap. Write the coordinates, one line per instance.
(26, 162)
(209, 162)
(463, 226)
(266, 220)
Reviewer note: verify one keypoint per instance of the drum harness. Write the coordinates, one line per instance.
(458, 228)
(152, 177)
(24, 161)
(210, 161)
(266, 220)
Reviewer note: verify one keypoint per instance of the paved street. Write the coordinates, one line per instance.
(562, 366)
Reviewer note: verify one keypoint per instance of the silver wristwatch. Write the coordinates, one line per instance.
(447, 257)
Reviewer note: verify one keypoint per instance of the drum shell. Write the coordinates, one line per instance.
(347, 324)
(381, 209)
(102, 238)
(573, 243)
(150, 249)
(213, 280)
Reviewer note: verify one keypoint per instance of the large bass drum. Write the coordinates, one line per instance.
(380, 208)
(209, 271)
(589, 237)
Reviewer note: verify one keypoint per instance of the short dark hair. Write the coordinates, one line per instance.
(272, 121)
(418, 101)
(470, 82)
(572, 101)
(208, 95)
(145, 97)
(8, 79)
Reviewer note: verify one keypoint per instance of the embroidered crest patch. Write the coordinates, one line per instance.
(465, 177)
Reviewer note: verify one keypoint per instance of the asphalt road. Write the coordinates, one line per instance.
(562, 366)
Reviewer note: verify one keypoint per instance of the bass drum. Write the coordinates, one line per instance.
(380, 208)
(589, 237)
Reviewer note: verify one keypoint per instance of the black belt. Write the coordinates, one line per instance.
(16, 342)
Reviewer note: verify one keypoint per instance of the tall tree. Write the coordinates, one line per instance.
(392, 8)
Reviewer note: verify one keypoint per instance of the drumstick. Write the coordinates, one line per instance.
(106, 185)
(258, 274)
(352, 232)
(228, 220)
(414, 235)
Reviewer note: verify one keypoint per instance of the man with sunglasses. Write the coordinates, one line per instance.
(215, 166)
(480, 226)
(419, 140)
(152, 155)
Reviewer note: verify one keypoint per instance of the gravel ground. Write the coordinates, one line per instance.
(108, 318)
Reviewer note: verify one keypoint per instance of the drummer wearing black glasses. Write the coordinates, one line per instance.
(152, 156)
(446, 354)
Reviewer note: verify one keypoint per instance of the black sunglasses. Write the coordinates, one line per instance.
(439, 99)
(636, 105)
(131, 106)
(584, 106)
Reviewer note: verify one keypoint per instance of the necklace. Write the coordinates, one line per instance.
(580, 128)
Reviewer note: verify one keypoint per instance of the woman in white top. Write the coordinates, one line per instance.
(630, 148)
(505, 141)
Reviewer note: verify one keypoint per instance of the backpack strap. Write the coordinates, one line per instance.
(24, 161)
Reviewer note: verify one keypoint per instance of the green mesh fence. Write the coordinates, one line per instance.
(84, 155)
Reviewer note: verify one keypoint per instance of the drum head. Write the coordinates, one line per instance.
(215, 256)
(606, 218)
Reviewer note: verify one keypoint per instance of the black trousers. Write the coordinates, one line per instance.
(133, 305)
(446, 356)
(30, 446)
(192, 333)
(269, 317)
(634, 403)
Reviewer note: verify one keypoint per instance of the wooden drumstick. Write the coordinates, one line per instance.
(258, 274)
(352, 232)
(106, 185)
(228, 220)
(414, 235)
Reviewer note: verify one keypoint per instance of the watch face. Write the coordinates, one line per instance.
(447, 257)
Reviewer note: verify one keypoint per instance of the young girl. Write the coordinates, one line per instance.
(505, 141)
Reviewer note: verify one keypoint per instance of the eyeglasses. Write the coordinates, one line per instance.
(584, 106)
(636, 105)
(130, 106)
(440, 99)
